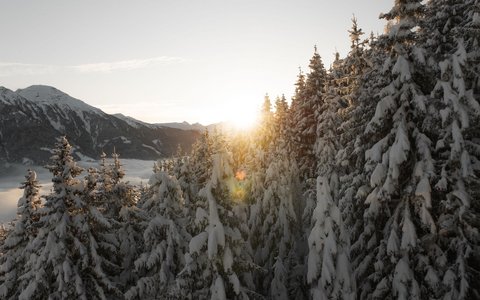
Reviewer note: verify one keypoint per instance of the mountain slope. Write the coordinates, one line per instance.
(32, 118)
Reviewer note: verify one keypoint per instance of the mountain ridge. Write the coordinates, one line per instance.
(32, 119)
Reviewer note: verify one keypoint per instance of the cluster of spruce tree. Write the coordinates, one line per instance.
(365, 187)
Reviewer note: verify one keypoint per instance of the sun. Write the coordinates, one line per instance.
(243, 120)
(234, 116)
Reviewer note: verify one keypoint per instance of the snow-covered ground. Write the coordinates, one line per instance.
(137, 171)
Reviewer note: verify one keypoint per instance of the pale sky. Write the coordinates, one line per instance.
(167, 61)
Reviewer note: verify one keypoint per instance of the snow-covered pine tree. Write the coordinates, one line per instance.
(393, 262)
(456, 184)
(278, 222)
(254, 192)
(99, 243)
(240, 143)
(328, 121)
(256, 164)
(443, 19)
(118, 193)
(218, 264)
(314, 90)
(329, 272)
(67, 261)
(15, 247)
(199, 168)
(116, 168)
(201, 161)
(54, 270)
(356, 94)
(277, 289)
(356, 143)
(4, 230)
(131, 243)
(471, 31)
(457, 180)
(353, 67)
(166, 241)
(183, 173)
(307, 99)
(294, 263)
(256, 168)
(281, 117)
(297, 100)
(264, 134)
(301, 136)
(118, 202)
(104, 186)
(176, 160)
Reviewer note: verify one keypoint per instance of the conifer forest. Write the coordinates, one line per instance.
(366, 185)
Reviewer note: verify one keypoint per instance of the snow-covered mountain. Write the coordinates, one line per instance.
(46, 96)
(32, 118)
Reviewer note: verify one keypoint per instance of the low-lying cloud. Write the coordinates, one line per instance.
(137, 172)
(132, 64)
(13, 69)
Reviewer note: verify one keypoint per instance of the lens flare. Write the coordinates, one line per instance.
(237, 188)
(240, 175)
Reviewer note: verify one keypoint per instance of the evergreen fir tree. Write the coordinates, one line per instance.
(4, 230)
(119, 203)
(54, 272)
(67, 262)
(201, 161)
(356, 91)
(265, 134)
(217, 261)
(99, 243)
(398, 212)
(328, 261)
(278, 219)
(166, 240)
(15, 247)
(454, 151)
(307, 100)
(117, 193)
(281, 117)
(329, 271)
(355, 184)
(185, 180)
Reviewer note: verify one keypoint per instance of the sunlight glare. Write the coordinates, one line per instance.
(235, 114)
(242, 118)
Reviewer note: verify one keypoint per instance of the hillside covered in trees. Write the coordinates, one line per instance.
(365, 187)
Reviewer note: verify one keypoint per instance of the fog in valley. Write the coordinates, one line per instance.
(11, 176)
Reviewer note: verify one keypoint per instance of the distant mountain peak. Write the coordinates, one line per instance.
(5, 93)
(41, 87)
(44, 94)
(132, 121)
